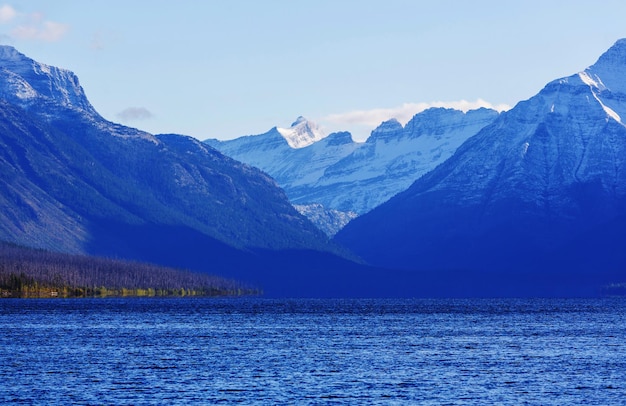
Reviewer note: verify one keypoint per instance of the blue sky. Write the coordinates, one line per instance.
(221, 69)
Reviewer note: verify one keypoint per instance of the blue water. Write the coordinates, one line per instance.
(262, 351)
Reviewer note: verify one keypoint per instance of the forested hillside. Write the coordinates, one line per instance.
(26, 272)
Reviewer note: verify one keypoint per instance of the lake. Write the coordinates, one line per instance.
(326, 351)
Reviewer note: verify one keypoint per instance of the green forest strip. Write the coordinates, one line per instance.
(33, 273)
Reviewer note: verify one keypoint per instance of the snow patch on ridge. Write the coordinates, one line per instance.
(584, 76)
(525, 149)
(610, 112)
(41, 68)
(23, 90)
(330, 221)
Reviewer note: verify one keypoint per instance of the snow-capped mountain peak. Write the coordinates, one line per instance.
(605, 79)
(609, 71)
(614, 57)
(26, 81)
(302, 133)
(10, 54)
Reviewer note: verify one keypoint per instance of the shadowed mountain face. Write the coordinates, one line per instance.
(74, 182)
(542, 189)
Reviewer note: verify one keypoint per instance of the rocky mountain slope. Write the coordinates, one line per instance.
(542, 189)
(72, 181)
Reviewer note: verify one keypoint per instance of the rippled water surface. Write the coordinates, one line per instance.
(262, 351)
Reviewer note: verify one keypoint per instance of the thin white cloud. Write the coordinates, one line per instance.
(7, 14)
(134, 114)
(31, 27)
(97, 43)
(47, 31)
(360, 123)
(405, 112)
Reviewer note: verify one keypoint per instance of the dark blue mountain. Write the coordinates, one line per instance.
(541, 191)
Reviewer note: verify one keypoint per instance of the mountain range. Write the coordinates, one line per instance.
(541, 190)
(531, 201)
(350, 178)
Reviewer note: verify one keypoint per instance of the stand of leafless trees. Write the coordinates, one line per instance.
(26, 272)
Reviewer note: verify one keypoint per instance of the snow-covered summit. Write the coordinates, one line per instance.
(9, 53)
(613, 59)
(606, 81)
(302, 133)
(602, 85)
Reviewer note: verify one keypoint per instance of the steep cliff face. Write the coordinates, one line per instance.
(27, 83)
(536, 189)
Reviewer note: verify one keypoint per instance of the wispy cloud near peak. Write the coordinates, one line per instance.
(134, 114)
(47, 31)
(7, 14)
(361, 122)
(30, 26)
(406, 111)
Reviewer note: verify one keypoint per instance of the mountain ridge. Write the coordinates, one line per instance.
(347, 176)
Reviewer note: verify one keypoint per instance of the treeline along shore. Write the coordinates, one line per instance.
(32, 273)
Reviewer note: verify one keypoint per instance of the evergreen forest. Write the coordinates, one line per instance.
(35, 273)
